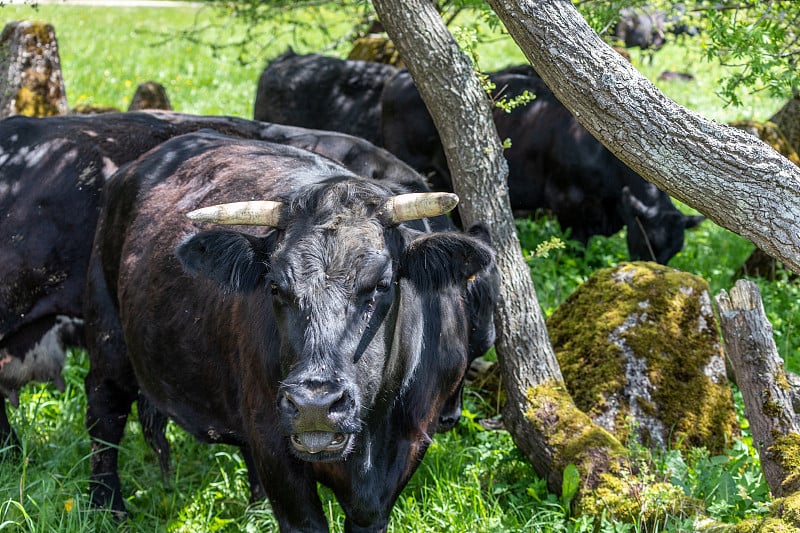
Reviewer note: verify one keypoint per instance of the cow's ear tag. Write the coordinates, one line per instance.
(471, 278)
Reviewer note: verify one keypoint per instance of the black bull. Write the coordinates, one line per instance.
(52, 171)
(327, 348)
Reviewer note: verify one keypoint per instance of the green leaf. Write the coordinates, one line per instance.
(569, 485)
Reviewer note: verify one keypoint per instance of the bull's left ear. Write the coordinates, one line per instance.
(236, 261)
(440, 259)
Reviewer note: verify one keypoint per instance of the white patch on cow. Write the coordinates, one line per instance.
(109, 167)
(19, 155)
(43, 362)
(33, 157)
(637, 384)
(87, 176)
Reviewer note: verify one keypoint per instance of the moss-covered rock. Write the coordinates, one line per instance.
(30, 71)
(639, 351)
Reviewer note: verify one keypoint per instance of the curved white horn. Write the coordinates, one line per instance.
(414, 206)
(253, 213)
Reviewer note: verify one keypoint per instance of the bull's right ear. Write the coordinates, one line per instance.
(236, 261)
(439, 259)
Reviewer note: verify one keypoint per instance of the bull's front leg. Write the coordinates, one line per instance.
(290, 488)
(111, 389)
(154, 430)
(106, 415)
(7, 436)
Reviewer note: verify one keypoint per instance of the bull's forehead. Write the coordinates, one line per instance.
(339, 257)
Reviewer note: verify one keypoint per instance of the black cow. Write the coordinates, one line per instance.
(327, 345)
(51, 173)
(647, 27)
(641, 28)
(315, 91)
(554, 164)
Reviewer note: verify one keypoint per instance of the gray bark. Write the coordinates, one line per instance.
(759, 373)
(738, 182)
(462, 114)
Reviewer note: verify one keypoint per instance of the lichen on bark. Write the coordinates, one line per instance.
(611, 484)
(30, 71)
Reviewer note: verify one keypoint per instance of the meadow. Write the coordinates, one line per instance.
(471, 479)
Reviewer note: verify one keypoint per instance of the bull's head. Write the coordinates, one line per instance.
(655, 232)
(359, 301)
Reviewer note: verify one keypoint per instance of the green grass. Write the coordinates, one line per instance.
(470, 480)
(107, 51)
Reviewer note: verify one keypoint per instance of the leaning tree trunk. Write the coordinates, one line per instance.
(539, 412)
(735, 180)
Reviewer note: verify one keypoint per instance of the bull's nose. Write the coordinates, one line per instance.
(317, 407)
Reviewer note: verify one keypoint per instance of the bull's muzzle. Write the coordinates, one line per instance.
(320, 419)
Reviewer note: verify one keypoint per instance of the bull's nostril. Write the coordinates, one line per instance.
(342, 404)
(288, 405)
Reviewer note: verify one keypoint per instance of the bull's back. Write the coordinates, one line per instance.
(315, 91)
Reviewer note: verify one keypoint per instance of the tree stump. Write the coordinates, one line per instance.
(150, 95)
(765, 389)
(30, 71)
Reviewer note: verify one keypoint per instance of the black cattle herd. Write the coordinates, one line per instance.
(328, 332)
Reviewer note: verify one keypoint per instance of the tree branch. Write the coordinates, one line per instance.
(737, 181)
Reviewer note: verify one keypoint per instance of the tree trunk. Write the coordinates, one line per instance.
(759, 373)
(737, 181)
(787, 118)
(539, 412)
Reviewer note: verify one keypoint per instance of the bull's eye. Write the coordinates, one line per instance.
(383, 286)
(273, 288)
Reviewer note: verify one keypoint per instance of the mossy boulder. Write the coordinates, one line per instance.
(640, 354)
(30, 71)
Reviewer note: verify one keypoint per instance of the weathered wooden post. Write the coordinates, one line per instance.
(765, 389)
(30, 71)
